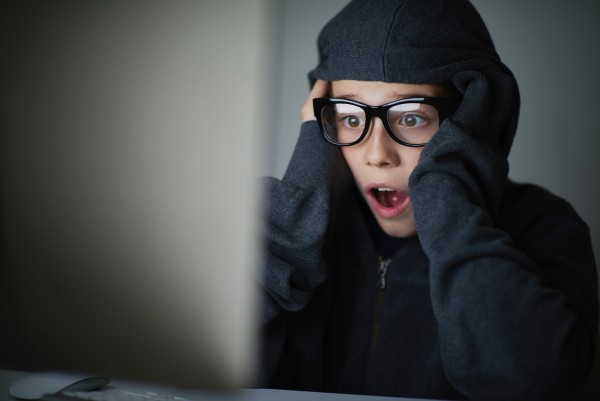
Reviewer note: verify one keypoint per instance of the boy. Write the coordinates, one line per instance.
(401, 261)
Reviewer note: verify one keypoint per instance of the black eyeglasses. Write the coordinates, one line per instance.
(410, 122)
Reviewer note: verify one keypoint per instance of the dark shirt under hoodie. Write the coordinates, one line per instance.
(496, 298)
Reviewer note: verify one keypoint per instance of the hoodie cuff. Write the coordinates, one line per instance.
(315, 162)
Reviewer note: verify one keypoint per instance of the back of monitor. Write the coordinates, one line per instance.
(131, 138)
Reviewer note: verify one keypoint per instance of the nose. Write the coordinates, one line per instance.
(381, 149)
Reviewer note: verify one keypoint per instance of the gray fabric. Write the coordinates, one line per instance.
(298, 214)
(514, 302)
(479, 279)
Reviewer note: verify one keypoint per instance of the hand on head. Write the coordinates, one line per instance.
(320, 89)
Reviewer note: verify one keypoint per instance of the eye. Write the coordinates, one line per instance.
(352, 121)
(412, 121)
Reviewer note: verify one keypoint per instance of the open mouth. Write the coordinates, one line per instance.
(387, 202)
(388, 197)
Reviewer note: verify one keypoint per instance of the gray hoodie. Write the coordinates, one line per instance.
(496, 298)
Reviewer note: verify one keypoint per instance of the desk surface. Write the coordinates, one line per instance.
(7, 377)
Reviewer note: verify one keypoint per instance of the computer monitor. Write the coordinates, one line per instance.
(132, 136)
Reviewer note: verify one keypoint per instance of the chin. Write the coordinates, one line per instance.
(404, 228)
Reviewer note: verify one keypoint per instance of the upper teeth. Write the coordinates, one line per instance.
(385, 189)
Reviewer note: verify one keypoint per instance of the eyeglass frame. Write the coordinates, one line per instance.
(444, 105)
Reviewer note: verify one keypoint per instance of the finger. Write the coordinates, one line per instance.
(320, 89)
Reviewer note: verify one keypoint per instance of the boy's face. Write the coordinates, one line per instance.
(380, 165)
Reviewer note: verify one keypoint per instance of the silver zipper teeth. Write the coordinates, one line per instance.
(382, 271)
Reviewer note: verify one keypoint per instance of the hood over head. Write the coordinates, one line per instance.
(425, 41)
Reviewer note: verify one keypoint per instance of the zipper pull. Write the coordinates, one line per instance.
(382, 271)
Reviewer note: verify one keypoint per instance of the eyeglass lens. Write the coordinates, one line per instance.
(413, 123)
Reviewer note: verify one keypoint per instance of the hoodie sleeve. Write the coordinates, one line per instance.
(514, 323)
(296, 220)
(295, 230)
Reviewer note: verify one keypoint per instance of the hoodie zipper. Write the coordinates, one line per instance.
(381, 284)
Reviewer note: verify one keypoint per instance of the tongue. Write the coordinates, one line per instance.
(390, 198)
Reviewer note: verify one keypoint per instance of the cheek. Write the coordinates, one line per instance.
(352, 158)
(412, 158)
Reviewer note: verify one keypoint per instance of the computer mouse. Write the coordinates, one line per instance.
(35, 385)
